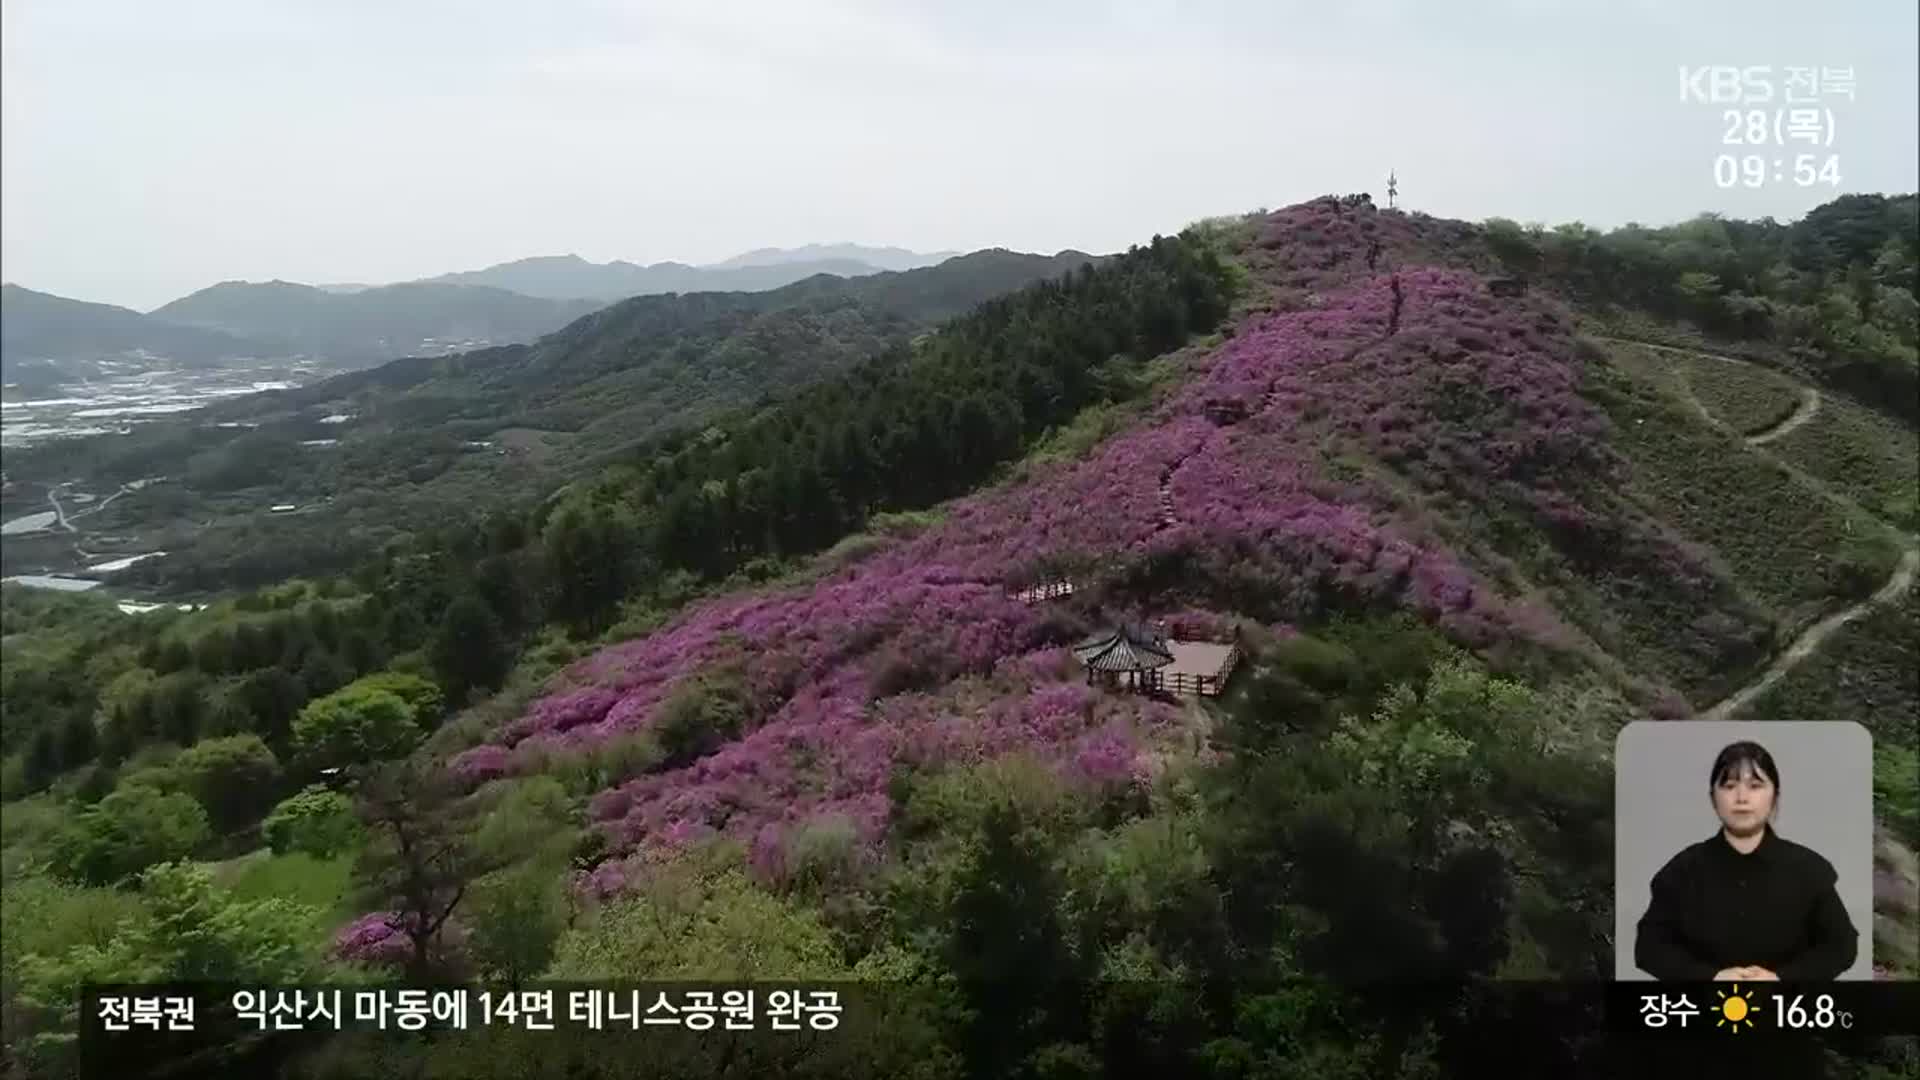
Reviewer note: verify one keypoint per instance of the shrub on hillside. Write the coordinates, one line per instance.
(235, 778)
(131, 829)
(317, 821)
(702, 714)
(1862, 567)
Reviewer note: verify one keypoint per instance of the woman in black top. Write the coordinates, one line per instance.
(1745, 904)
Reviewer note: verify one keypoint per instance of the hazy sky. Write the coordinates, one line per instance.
(153, 147)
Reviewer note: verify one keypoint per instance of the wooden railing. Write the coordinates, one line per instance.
(1052, 590)
(1202, 685)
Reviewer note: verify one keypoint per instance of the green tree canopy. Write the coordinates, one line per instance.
(468, 650)
(134, 827)
(420, 694)
(589, 554)
(201, 933)
(684, 923)
(515, 917)
(317, 821)
(355, 725)
(235, 778)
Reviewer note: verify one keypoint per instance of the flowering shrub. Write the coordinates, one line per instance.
(380, 939)
(377, 938)
(821, 852)
(482, 763)
(1314, 247)
(605, 880)
(563, 712)
(828, 760)
(1108, 756)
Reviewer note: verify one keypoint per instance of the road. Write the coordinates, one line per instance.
(103, 503)
(60, 512)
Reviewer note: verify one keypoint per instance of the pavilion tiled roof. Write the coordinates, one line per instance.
(1127, 647)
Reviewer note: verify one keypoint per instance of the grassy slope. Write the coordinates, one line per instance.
(1864, 673)
(1867, 456)
(324, 885)
(1744, 397)
(1779, 540)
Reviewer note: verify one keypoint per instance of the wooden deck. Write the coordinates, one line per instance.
(1199, 667)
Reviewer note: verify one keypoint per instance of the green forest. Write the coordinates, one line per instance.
(1834, 293)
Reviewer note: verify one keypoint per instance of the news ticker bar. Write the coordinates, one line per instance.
(1656, 1010)
(188, 1008)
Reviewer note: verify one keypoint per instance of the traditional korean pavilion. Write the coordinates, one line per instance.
(1129, 655)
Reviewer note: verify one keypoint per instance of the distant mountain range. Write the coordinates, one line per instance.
(882, 258)
(372, 324)
(46, 339)
(401, 442)
(49, 339)
(630, 368)
(562, 277)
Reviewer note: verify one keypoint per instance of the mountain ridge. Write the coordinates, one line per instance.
(43, 335)
(378, 323)
(884, 258)
(571, 276)
(50, 337)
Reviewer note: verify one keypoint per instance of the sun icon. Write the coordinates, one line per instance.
(1735, 1009)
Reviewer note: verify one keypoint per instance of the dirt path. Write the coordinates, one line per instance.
(1808, 408)
(1809, 405)
(1168, 517)
(1808, 641)
(1811, 638)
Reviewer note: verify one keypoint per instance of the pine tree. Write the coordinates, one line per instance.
(417, 862)
(42, 762)
(589, 554)
(468, 651)
(79, 741)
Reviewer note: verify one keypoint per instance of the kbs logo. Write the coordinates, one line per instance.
(1722, 84)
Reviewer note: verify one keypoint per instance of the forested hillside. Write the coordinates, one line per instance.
(46, 333)
(761, 696)
(1835, 294)
(370, 325)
